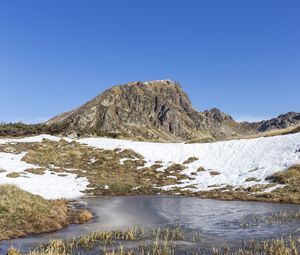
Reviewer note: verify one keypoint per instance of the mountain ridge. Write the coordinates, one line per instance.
(160, 110)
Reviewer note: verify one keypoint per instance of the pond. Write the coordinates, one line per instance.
(218, 222)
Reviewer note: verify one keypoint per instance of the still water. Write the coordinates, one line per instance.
(219, 222)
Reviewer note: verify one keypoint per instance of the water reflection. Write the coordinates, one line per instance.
(219, 221)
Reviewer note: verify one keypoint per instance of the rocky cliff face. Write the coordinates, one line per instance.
(281, 122)
(156, 110)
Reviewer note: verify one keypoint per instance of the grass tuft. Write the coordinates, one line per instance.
(23, 213)
(13, 175)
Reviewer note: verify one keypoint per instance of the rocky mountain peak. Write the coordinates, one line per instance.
(218, 116)
(155, 110)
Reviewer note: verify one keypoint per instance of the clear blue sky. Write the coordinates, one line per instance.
(242, 56)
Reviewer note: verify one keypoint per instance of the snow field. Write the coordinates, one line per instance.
(235, 161)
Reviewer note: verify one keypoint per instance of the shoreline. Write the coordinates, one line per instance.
(86, 237)
(71, 203)
(23, 213)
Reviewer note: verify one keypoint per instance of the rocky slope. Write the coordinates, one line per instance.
(283, 121)
(158, 110)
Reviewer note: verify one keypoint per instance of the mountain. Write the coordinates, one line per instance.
(159, 110)
(283, 121)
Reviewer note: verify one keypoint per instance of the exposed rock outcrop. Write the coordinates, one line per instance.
(158, 110)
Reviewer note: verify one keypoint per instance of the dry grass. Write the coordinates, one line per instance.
(108, 177)
(289, 246)
(286, 131)
(291, 179)
(162, 242)
(20, 129)
(102, 167)
(190, 160)
(81, 216)
(201, 169)
(214, 173)
(270, 219)
(13, 251)
(290, 193)
(208, 139)
(290, 176)
(252, 179)
(38, 171)
(23, 213)
(13, 175)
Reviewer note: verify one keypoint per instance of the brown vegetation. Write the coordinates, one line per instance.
(23, 213)
(190, 160)
(38, 171)
(13, 175)
(163, 242)
(289, 193)
(251, 179)
(102, 167)
(291, 179)
(280, 246)
(108, 177)
(20, 129)
(214, 173)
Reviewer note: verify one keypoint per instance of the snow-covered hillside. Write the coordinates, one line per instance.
(49, 185)
(235, 161)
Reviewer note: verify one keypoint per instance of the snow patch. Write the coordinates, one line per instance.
(13, 162)
(32, 139)
(235, 160)
(49, 185)
(122, 161)
(92, 161)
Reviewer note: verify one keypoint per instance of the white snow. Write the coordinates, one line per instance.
(49, 185)
(273, 188)
(235, 160)
(12, 162)
(32, 139)
(165, 80)
(122, 161)
(92, 161)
